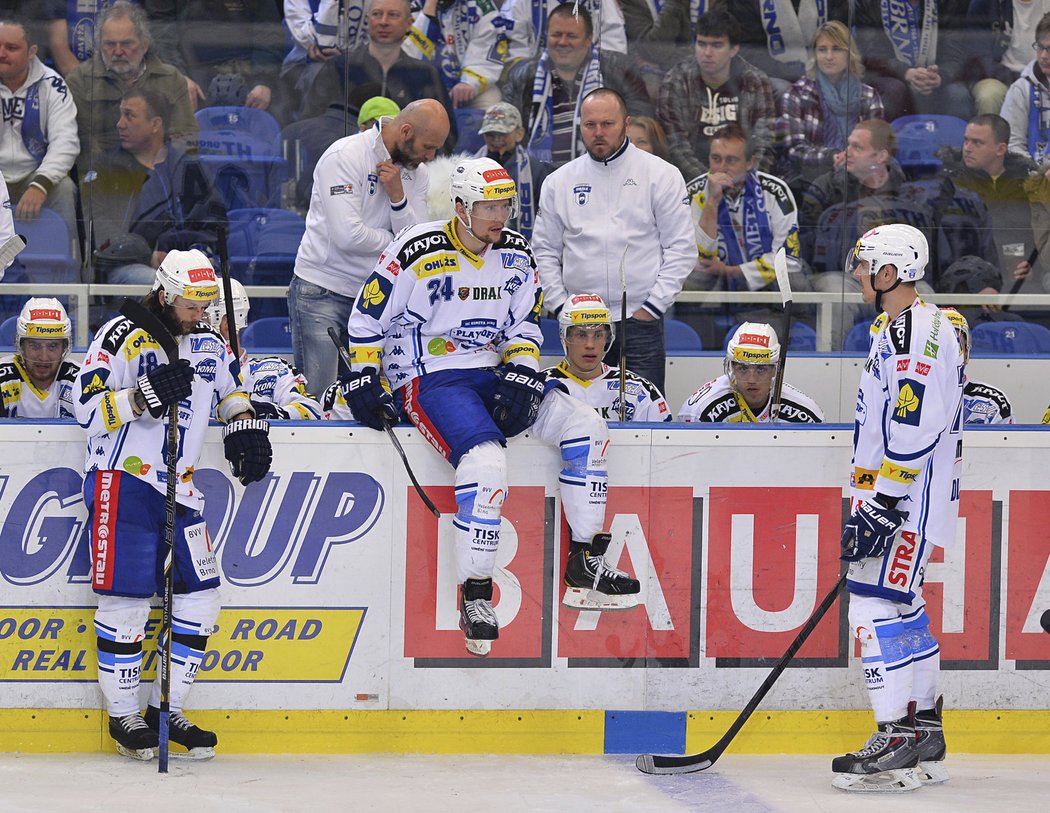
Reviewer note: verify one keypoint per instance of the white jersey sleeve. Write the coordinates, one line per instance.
(334, 405)
(274, 380)
(644, 402)
(985, 404)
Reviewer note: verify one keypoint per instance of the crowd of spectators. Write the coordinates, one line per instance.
(100, 99)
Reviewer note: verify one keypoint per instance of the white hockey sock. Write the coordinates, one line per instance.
(120, 624)
(118, 678)
(193, 620)
(888, 669)
(481, 488)
(185, 659)
(926, 660)
(584, 482)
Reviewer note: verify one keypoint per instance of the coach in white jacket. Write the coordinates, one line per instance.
(616, 204)
(38, 136)
(367, 188)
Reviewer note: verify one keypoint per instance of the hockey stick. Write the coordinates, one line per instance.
(227, 292)
(690, 763)
(333, 334)
(784, 283)
(11, 248)
(139, 316)
(1030, 259)
(623, 338)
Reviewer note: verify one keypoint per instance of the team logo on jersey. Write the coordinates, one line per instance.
(206, 369)
(374, 294)
(96, 384)
(581, 191)
(512, 285)
(464, 293)
(515, 260)
(341, 189)
(909, 402)
(206, 344)
(373, 179)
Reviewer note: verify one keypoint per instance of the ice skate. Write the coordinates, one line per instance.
(199, 744)
(476, 616)
(884, 765)
(929, 742)
(590, 584)
(134, 737)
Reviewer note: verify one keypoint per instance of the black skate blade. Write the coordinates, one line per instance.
(656, 764)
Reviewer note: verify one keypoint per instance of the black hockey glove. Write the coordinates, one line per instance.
(870, 531)
(247, 446)
(517, 398)
(368, 399)
(166, 385)
(269, 411)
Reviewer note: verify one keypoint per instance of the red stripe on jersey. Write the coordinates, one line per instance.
(419, 418)
(104, 529)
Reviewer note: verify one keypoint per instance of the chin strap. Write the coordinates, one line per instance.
(879, 294)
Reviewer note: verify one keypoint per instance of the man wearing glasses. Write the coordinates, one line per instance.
(1027, 103)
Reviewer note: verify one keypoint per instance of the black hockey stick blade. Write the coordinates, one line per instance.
(691, 763)
(333, 334)
(227, 294)
(141, 317)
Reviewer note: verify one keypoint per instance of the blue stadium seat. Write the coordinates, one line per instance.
(270, 333)
(551, 337)
(989, 338)
(48, 255)
(858, 338)
(468, 121)
(680, 338)
(919, 137)
(239, 132)
(248, 181)
(7, 332)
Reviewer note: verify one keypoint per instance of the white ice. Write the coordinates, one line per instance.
(33, 783)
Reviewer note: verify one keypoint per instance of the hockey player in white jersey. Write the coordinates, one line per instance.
(451, 313)
(744, 393)
(907, 460)
(37, 381)
(333, 404)
(123, 392)
(586, 335)
(277, 390)
(983, 404)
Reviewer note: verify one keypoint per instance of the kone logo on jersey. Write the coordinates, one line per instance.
(581, 191)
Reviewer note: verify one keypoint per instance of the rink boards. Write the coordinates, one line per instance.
(339, 628)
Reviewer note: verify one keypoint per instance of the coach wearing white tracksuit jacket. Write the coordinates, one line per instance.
(352, 218)
(616, 204)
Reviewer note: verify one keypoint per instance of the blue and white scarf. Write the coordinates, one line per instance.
(1038, 120)
(541, 136)
(914, 44)
(789, 33)
(756, 238)
(32, 133)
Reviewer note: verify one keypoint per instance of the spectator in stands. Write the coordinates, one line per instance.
(37, 381)
(774, 36)
(147, 187)
(527, 23)
(462, 39)
(233, 50)
(381, 61)
(501, 128)
(367, 187)
(309, 138)
(742, 217)
(1026, 107)
(549, 88)
(586, 232)
(822, 108)
(715, 88)
(983, 404)
(659, 36)
(1002, 36)
(1004, 181)
(123, 60)
(646, 133)
(744, 394)
(586, 335)
(38, 135)
(912, 57)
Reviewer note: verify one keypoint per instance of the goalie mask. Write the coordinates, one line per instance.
(483, 181)
(188, 274)
(241, 305)
(43, 318)
(582, 314)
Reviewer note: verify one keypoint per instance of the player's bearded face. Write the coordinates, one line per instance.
(180, 316)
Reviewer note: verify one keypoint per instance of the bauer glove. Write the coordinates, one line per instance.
(516, 401)
(246, 444)
(870, 531)
(368, 399)
(166, 385)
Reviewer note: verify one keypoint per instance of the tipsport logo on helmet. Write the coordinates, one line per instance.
(34, 331)
(744, 354)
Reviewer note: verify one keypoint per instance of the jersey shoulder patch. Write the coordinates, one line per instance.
(995, 394)
(422, 244)
(511, 239)
(113, 339)
(899, 333)
(68, 371)
(719, 409)
(650, 388)
(9, 372)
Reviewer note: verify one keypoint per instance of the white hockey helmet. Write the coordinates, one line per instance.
(896, 244)
(583, 310)
(475, 180)
(962, 327)
(43, 317)
(752, 343)
(241, 305)
(188, 274)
